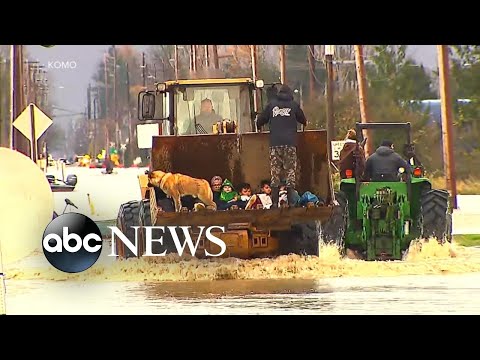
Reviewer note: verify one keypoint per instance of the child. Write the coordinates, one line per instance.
(245, 192)
(228, 195)
(263, 198)
(282, 196)
(242, 198)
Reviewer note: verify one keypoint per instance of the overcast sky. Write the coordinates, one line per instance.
(71, 84)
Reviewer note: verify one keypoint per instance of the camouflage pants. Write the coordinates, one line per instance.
(283, 158)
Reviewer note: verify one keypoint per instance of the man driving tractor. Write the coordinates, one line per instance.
(384, 163)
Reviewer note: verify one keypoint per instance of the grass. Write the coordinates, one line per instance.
(467, 240)
(469, 186)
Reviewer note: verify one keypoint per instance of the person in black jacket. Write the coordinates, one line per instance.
(282, 113)
(384, 163)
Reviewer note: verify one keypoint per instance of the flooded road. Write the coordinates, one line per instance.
(444, 294)
(436, 280)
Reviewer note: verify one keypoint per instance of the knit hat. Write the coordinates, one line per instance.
(216, 180)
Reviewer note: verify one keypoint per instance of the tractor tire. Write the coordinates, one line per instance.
(333, 230)
(145, 219)
(309, 236)
(435, 221)
(127, 217)
(306, 238)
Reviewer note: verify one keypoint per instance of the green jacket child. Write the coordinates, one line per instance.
(228, 192)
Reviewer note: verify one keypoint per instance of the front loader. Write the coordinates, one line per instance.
(234, 150)
(380, 219)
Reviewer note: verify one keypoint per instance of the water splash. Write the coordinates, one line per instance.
(423, 258)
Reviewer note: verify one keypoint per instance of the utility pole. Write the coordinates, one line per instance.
(107, 135)
(253, 53)
(283, 68)
(95, 105)
(89, 101)
(4, 119)
(447, 122)
(215, 57)
(13, 93)
(17, 98)
(207, 57)
(89, 115)
(175, 62)
(362, 96)
(194, 56)
(329, 51)
(130, 125)
(191, 58)
(115, 112)
(311, 65)
(144, 68)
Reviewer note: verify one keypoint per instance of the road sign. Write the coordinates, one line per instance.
(32, 123)
(24, 122)
(337, 146)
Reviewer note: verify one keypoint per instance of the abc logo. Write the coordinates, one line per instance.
(72, 242)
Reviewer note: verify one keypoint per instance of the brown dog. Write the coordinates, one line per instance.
(178, 185)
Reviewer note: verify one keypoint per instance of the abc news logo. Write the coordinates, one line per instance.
(72, 242)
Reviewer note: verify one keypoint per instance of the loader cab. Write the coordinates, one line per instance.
(201, 107)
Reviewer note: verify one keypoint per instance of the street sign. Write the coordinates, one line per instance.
(24, 122)
(32, 123)
(337, 146)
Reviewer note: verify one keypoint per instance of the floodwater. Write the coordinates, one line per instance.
(435, 280)
(399, 295)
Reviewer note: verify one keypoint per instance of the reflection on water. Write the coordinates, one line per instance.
(441, 279)
(459, 294)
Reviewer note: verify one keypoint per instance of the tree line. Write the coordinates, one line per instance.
(394, 80)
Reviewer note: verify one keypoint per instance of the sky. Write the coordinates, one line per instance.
(71, 82)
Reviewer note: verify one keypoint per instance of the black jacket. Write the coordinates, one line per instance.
(282, 113)
(383, 164)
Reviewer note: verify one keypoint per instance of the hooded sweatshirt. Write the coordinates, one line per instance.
(383, 164)
(352, 157)
(224, 196)
(282, 113)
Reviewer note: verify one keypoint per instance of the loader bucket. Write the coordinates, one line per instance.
(243, 158)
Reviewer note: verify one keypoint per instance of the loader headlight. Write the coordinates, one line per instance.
(401, 170)
(259, 84)
(161, 87)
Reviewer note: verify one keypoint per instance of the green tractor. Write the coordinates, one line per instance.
(378, 220)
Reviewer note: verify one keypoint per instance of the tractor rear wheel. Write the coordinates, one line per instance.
(308, 236)
(333, 230)
(435, 221)
(127, 217)
(302, 240)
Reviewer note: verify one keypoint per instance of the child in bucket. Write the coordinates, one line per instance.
(263, 199)
(228, 195)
